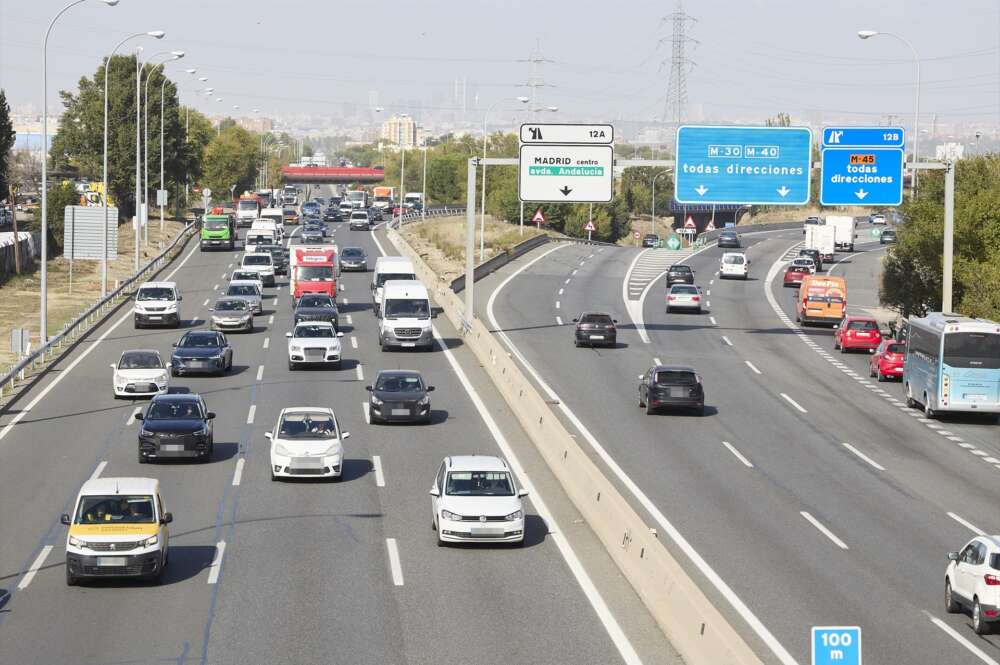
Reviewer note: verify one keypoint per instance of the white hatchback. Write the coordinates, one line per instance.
(474, 499)
(140, 373)
(972, 580)
(734, 264)
(307, 443)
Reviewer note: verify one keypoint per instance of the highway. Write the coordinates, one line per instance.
(805, 496)
(265, 572)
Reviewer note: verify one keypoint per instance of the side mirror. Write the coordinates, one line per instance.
(112, 366)
(179, 298)
(64, 519)
(952, 556)
(139, 416)
(435, 492)
(614, 320)
(340, 334)
(210, 415)
(642, 376)
(576, 320)
(174, 345)
(268, 435)
(288, 334)
(345, 435)
(522, 492)
(167, 518)
(430, 389)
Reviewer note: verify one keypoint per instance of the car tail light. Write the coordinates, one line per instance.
(696, 298)
(991, 580)
(671, 297)
(611, 329)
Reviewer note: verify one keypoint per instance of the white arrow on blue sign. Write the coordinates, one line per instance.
(744, 165)
(836, 645)
(861, 176)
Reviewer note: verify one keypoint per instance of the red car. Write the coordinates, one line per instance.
(887, 362)
(795, 274)
(857, 332)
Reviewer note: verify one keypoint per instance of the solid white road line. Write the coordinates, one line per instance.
(822, 529)
(864, 457)
(961, 639)
(354, 342)
(394, 565)
(98, 470)
(260, 372)
(131, 418)
(366, 407)
(793, 403)
(250, 414)
(267, 342)
(751, 366)
(350, 321)
(216, 567)
(377, 465)
(360, 372)
(558, 320)
(747, 463)
(35, 566)
(968, 525)
(726, 340)
(238, 473)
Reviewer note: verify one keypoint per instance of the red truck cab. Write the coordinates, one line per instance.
(313, 269)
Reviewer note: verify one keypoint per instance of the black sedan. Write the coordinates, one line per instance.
(679, 274)
(331, 214)
(317, 307)
(201, 351)
(651, 240)
(176, 425)
(353, 258)
(593, 328)
(729, 239)
(279, 257)
(399, 396)
(671, 386)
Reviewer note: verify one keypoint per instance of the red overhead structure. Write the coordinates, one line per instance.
(326, 175)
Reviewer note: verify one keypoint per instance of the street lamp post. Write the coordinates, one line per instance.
(44, 295)
(867, 34)
(423, 189)
(173, 55)
(652, 216)
(482, 204)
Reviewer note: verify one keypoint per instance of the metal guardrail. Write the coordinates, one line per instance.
(85, 321)
(444, 211)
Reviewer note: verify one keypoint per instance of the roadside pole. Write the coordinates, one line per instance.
(470, 239)
(949, 236)
(521, 227)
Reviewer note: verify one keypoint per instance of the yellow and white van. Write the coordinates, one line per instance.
(118, 529)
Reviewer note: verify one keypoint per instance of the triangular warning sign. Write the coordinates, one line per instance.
(538, 217)
(590, 227)
(710, 226)
(689, 223)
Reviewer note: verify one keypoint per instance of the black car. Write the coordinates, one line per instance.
(205, 351)
(815, 255)
(593, 328)
(399, 395)
(279, 257)
(671, 386)
(176, 425)
(888, 237)
(729, 239)
(651, 240)
(331, 214)
(680, 274)
(377, 214)
(317, 307)
(353, 258)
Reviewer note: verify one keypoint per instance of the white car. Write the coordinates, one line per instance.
(260, 262)
(877, 218)
(684, 296)
(248, 276)
(140, 372)
(734, 264)
(307, 442)
(972, 580)
(474, 499)
(313, 342)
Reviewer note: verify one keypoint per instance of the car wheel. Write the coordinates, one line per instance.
(910, 402)
(71, 580)
(291, 366)
(981, 627)
(951, 606)
(879, 375)
(928, 411)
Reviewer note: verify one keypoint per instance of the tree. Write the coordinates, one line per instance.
(60, 195)
(198, 134)
(780, 120)
(231, 159)
(6, 143)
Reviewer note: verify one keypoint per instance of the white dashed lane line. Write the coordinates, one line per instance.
(726, 340)
(961, 639)
(251, 413)
(822, 529)
(864, 457)
(712, 319)
(216, 566)
(270, 319)
(968, 525)
(794, 403)
(354, 342)
(559, 321)
(215, 287)
(205, 303)
(238, 473)
(350, 321)
(751, 366)
(395, 567)
(360, 372)
(100, 469)
(260, 372)
(267, 342)
(377, 466)
(34, 567)
(131, 418)
(747, 463)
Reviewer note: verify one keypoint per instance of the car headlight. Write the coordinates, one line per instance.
(448, 515)
(149, 542)
(424, 401)
(294, 348)
(76, 542)
(203, 431)
(516, 515)
(376, 401)
(332, 451)
(281, 450)
(144, 432)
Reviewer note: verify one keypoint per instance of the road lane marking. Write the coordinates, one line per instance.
(712, 319)
(216, 566)
(394, 564)
(822, 529)
(710, 282)
(250, 414)
(347, 301)
(751, 366)
(968, 525)
(864, 457)
(793, 403)
(360, 372)
(557, 304)
(574, 272)
(270, 319)
(708, 304)
(205, 303)
(230, 265)
(260, 372)
(222, 276)
(558, 321)
(354, 342)
(958, 637)
(726, 340)
(267, 342)
(274, 303)
(35, 566)
(238, 473)
(656, 361)
(215, 287)
(98, 470)
(366, 407)
(131, 418)
(350, 321)
(377, 464)
(561, 291)
(566, 282)
(709, 292)
(747, 463)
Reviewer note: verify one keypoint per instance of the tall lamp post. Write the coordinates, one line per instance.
(868, 34)
(44, 297)
(171, 55)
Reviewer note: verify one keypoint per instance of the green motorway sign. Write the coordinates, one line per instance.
(674, 242)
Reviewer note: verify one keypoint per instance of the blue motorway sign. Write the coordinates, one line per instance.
(836, 645)
(861, 176)
(749, 165)
(868, 137)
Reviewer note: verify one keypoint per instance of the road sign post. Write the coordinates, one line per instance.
(589, 228)
(836, 645)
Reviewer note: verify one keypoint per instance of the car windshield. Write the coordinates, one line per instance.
(352, 253)
(729, 235)
(257, 260)
(407, 308)
(862, 325)
(802, 263)
(674, 377)
(313, 331)
(216, 224)
(315, 273)
(231, 306)
(479, 483)
(972, 350)
(258, 238)
(140, 360)
(399, 384)
(122, 509)
(680, 268)
(596, 318)
(308, 425)
(173, 410)
(242, 290)
(896, 347)
(359, 215)
(316, 301)
(155, 293)
(395, 276)
(685, 289)
(246, 275)
(200, 341)
(247, 204)
(734, 259)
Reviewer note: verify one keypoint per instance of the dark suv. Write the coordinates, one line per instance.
(815, 255)
(680, 274)
(670, 385)
(593, 328)
(176, 425)
(729, 239)
(279, 257)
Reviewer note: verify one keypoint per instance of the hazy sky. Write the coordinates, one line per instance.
(755, 57)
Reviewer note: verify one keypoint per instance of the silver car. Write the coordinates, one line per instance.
(232, 314)
(248, 291)
(684, 296)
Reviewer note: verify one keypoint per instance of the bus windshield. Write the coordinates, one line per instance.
(977, 350)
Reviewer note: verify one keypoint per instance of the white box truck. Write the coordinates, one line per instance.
(821, 238)
(843, 239)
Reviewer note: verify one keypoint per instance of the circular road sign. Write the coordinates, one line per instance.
(674, 242)
(876, 232)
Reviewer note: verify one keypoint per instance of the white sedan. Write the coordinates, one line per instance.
(307, 443)
(313, 342)
(474, 499)
(684, 296)
(140, 373)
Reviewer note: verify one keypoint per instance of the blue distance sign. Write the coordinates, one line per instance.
(836, 645)
(747, 165)
(867, 137)
(861, 176)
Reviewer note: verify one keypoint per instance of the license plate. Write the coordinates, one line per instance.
(111, 561)
(409, 344)
(487, 531)
(215, 242)
(155, 317)
(864, 334)
(400, 412)
(976, 398)
(597, 337)
(172, 447)
(678, 392)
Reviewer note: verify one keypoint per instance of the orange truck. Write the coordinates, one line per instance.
(822, 300)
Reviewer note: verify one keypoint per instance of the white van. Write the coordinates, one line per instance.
(405, 318)
(157, 304)
(386, 268)
(118, 528)
(734, 264)
(274, 214)
(269, 225)
(257, 237)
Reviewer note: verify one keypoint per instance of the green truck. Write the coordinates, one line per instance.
(218, 231)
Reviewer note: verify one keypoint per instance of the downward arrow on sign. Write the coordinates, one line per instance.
(701, 189)
(783, 191)
(861, 194)
(565, 190)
